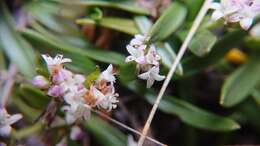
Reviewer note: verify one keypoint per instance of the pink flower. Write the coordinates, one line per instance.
(56, 91)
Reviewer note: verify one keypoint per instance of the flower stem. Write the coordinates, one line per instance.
(183, 48)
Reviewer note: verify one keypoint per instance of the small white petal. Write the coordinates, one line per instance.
(246, 23)
(144, 76)
(14, 118)
(75, 133)
(5, 130)
(217, 15)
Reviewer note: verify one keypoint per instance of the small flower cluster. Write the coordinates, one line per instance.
(6, 120)
(146, 57)
(234, 11)
(65, 85)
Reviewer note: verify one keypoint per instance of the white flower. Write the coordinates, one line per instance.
(131, 141)
(58, 60)
(6, 120)
(233, 11)
(107, 75)
(136, 55)
(151, 75)
(76, 133)
(106, 101)
(40, 82)
(76, 112)
(152, 57)
(138, 40)
(75, 94)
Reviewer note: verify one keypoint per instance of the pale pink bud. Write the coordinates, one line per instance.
(61, 76)
(40, 82)
(55, 91)
(76, 133)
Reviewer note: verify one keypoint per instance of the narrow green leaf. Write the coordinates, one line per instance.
(195, 116)
(28, 131)
(28, 111)
(239, 84)
(168, 56)
(125, 6)
(105, 133)
(119, 24)
(94, 53)
(171, 19)
(143, 23)
(14, 46)
(202, 42)
(194, 64)
(34, 97)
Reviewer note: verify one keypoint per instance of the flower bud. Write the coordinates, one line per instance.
(40, 82)
(55, 91)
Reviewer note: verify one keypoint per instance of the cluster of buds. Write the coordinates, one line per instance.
(236, 11)
(146, 58)
(70, 87)
(6, 120)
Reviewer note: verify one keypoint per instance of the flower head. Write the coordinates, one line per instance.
(56, 62)
(151, 75)
(233, 11)
(108, 75)
(136, 55)
(146, 58)
(6, 120)
(76, 112)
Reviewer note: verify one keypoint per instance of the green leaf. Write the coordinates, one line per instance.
(92, 77)
(171, 19)
(143, 23)
(125, 6)
(28, 111)
(202, 42)
(34, 97)
(94, 53)
(119, 24)
(239, 84)
(168, 56)
(193, 115)
(28, 131)
(15, 47)
(193, 64)
(105, 133)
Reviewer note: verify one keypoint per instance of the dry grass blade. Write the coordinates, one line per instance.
(8, 85)
(183, 48)
(125, 126)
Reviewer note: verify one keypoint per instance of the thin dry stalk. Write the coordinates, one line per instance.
(8, 85)
(125, 126)
(183, 48)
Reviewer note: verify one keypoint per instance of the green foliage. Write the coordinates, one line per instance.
(17, 49)
(168, 22)
(58, 26)
(195, 116)
(240, 84)
(119, 24)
